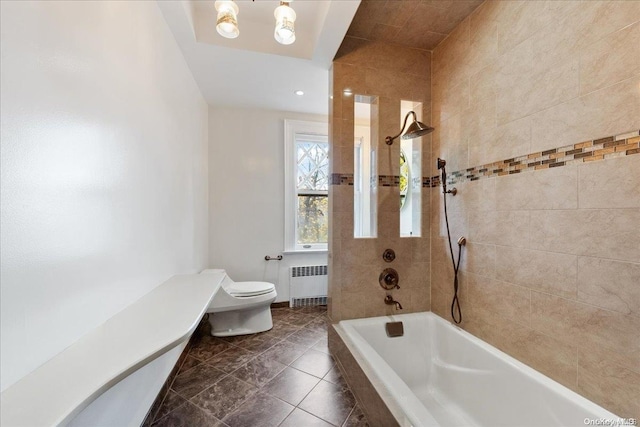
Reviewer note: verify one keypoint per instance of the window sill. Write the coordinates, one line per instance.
(305, 251)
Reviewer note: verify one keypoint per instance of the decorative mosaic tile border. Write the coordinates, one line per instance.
(347, 179)
(598, 149)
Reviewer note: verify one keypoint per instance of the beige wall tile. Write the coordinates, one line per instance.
(357, 277)
(614, 183)
(543, 271)
(440, 251)
(518, 20)
(580, 25)
(352, 306)
(482, 84)
(604, 379)
(342, 198)
(347, 76)
(479, 122)
(389, 200)
(552, 357)
(449, 101)
(359, 251)
(477, 195)
(609, 284)
(542, 88)
(586, 326)
(545, 189)
(457, 224)
(393, 84)
(482, 227)
(478, 259)
(509, 140)
(401, 246)
(605, 233)
(536, 90)
(448, 56)
(421, 248)
(342, 159)
(388, 225)
(421, 300)
(413, 275)
(392, 73)
(512, 228)
(609, 111)
(489, 298)
(384, 56)
(610, 60)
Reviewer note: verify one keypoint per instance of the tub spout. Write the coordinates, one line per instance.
(390, 301)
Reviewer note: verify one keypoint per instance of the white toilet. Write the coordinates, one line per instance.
(240, 308)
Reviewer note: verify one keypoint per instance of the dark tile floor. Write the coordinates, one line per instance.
(282, 377)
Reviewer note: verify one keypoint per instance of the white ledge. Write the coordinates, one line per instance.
(58, 390)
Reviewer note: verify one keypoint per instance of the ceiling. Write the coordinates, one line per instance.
(420, 24)
(254, 71)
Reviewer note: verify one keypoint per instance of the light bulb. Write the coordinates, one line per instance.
(227, 21)
(285, 24)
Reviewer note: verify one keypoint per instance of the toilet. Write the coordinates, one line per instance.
(240, 308)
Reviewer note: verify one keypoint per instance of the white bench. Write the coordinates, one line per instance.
(61, 388)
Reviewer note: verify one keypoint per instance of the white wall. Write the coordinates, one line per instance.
(246, 195)
(104, 169)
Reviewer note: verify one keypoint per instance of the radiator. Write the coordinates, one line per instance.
(308, 285)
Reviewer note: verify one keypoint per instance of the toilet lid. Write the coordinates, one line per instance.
(249, 289)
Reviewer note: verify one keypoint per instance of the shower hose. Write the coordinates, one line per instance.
(456, 313)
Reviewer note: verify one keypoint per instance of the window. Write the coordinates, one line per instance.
(306, 186)
(365, 198)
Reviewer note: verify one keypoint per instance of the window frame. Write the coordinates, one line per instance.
(291, 129)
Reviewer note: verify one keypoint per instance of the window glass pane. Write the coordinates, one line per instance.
(365, 176)
(313, 165)
(312, 219)
(410, 176)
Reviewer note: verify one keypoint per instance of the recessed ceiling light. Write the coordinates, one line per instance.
(299, 92)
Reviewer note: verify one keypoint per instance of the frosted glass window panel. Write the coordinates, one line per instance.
(410, 176)
(365, 176)
(313, 164)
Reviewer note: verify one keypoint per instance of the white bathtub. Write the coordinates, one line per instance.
(439, 375)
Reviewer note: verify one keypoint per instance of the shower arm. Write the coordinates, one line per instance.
(389, 139)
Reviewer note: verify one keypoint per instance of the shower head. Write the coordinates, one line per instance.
(415, 130)
(441, 163)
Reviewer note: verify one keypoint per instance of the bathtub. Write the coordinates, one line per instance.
(440, 375)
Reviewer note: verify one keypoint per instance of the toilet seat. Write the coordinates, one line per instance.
(249, 289)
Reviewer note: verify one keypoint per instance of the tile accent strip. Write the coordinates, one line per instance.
(625, 144)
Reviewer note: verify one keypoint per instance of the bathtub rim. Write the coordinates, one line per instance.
(385, 385)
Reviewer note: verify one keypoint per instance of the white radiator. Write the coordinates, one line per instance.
(308, 285)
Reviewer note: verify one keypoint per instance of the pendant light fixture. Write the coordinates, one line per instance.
(285, 20)
(227, 21)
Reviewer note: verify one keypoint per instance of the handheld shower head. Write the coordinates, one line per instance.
(443, 178)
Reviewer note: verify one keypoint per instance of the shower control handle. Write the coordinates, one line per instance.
(389, 279)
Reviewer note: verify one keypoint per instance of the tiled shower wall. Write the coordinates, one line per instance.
(551, 270)
(393, 74)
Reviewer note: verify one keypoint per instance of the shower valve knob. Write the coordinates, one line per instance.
(389, 255)
(389, 279)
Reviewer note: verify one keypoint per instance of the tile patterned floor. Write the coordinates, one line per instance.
(282, 377)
